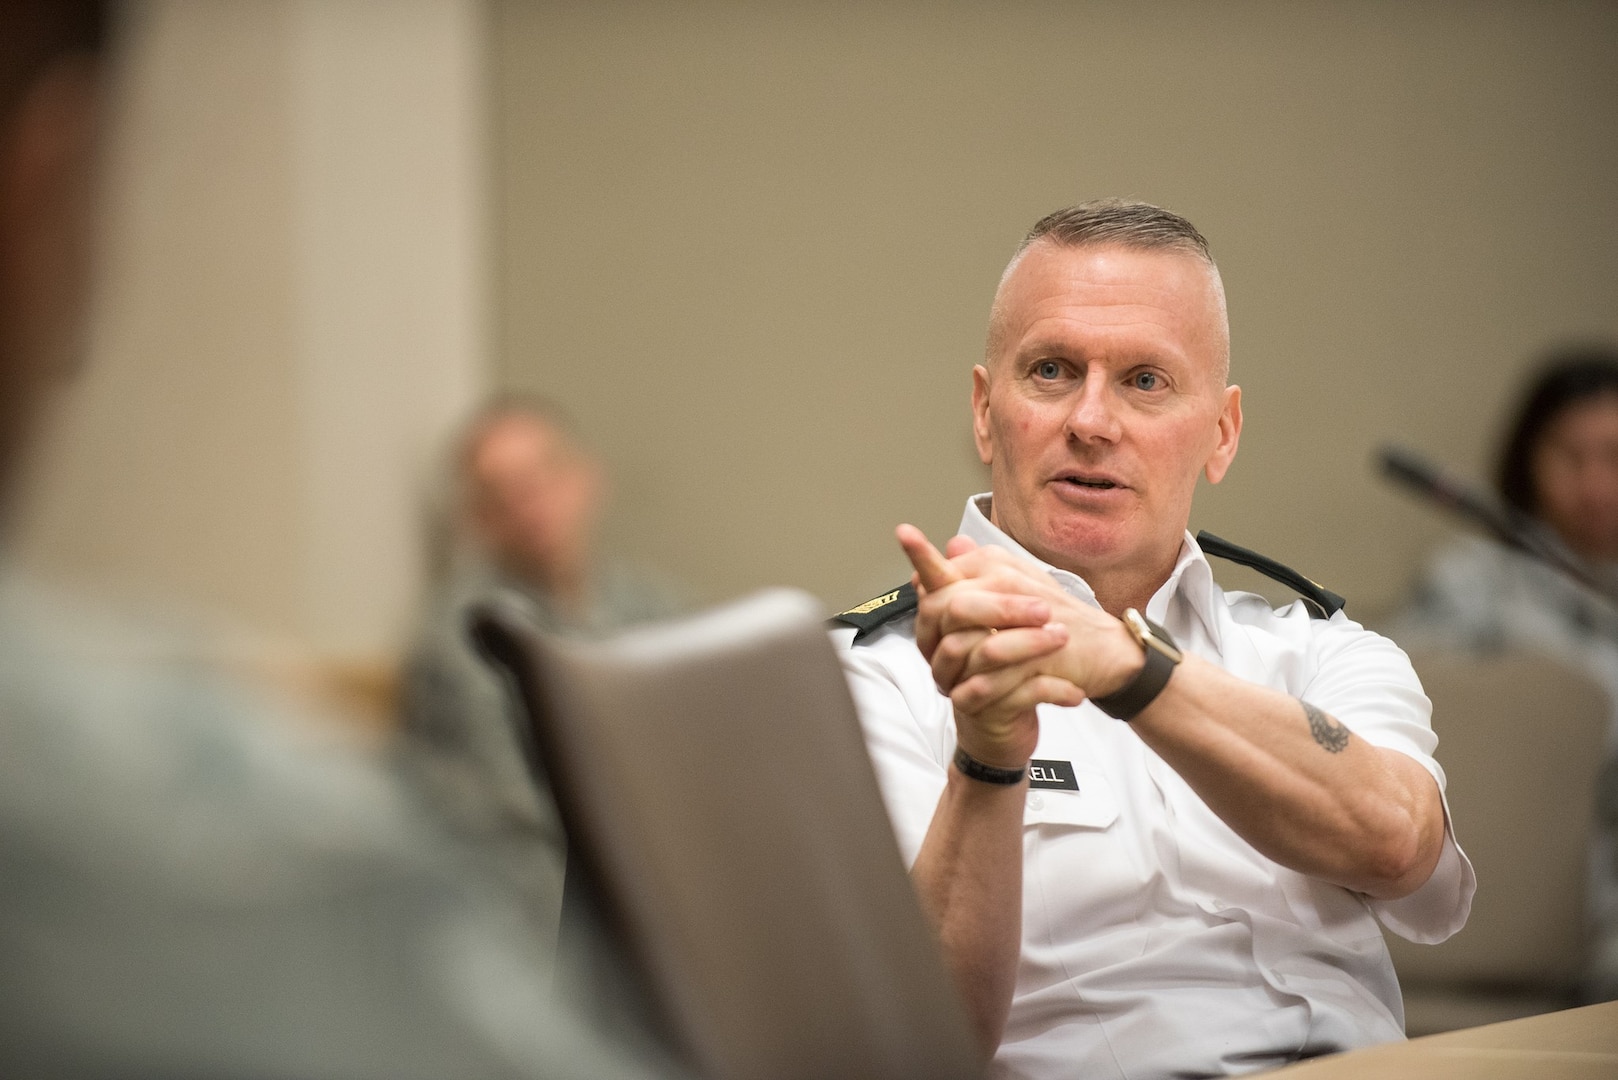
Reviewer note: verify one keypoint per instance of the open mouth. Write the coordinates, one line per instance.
(1091, 482)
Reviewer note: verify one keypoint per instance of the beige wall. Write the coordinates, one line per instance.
(292, 312)
(751, 246)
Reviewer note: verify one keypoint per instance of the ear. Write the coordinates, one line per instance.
(47, 153)
(46, 166)
(1230, 433)
(981, 432)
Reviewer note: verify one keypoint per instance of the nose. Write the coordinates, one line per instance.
(1093, 415)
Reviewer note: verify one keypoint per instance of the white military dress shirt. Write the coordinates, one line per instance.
(1156, 941)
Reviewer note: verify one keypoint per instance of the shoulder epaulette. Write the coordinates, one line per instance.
(879, 610)
(1321, 602)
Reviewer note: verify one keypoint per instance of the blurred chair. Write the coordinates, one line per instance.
(1520, 739)
(723, 815)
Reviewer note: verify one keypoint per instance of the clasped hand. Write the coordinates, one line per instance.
(1002, 638)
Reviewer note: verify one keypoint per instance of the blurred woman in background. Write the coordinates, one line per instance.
(1557, 469)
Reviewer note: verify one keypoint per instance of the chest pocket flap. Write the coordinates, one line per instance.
(1092, 806)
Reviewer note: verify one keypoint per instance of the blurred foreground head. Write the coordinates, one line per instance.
(48, 106)
(531, 493)
(1559, 462)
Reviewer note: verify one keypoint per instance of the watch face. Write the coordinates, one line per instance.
(1137, 625)
(1152, 636)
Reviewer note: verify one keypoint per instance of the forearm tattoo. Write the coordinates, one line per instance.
(1327, 732)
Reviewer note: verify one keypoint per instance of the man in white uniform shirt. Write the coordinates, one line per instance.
(1195, 891)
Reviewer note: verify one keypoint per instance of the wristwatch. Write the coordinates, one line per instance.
(1162, 656)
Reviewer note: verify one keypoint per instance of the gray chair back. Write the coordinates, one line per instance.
(1520, 739)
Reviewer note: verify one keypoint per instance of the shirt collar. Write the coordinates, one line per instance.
(1190, 583)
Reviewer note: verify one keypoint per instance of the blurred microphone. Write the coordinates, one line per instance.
(1432, 484)
(1503, 523)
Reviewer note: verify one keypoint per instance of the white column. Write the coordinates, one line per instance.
(291, 314)
(391, 284)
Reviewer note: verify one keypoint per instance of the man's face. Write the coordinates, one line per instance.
(1104, 400)
(534, 497)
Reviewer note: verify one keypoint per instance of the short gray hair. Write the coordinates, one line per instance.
(1124, 222)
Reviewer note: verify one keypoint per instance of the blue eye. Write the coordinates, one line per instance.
(1048, 369)
(1146, 380)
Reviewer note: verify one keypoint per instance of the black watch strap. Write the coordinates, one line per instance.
(1127, 702)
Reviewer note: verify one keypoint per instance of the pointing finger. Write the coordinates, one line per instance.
(932, 569)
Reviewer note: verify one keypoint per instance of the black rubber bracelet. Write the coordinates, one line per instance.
(973, 769)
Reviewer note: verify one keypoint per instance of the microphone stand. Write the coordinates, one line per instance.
(1504, 524)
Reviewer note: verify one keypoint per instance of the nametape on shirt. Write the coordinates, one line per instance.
(1054, 775)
